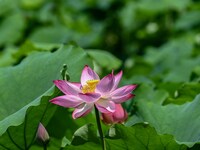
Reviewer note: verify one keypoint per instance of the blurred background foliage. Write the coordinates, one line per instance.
(155, 42)
(151, 40)
(128, 29)
(148, 35)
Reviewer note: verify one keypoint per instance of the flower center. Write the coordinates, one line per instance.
(90, 86)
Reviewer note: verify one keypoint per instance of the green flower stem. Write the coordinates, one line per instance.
(45, 146)
(100, 128)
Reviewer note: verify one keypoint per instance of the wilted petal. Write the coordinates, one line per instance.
(117, 79)
(67, 101)
(89, 97)
(105, 106)
(82, 110)
(88, 74)
(106, 84)
(123, 90)
(121, 99)
(66, 87)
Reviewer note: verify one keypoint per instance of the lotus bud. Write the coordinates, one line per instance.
(119, 116)
(42, 134)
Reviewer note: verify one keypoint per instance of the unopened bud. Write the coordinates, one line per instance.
(42, 134)
(119, 116)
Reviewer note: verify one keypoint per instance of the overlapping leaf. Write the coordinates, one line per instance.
(25, 85)
(137, 137)
(181, 121)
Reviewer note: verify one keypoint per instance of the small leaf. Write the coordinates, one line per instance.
(84, 134)
(85, 138)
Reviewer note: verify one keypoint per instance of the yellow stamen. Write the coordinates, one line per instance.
(90, 86)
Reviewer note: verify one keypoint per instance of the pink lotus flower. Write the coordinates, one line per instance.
(103, 93)
(119, 116)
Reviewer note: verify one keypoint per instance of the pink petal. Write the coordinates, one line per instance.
(66, 87)
(88, 74)
(89, 97)
(105, 106)
(122, 98)
(120, 115)
(123, 90)
(117, 79)
(106, 84)
(82, 110)
(67, 101)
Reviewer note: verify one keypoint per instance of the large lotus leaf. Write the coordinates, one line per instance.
(28, 47)
(24, 86)
(23, 136)
(181, 121)
(12, 55)
(137, 137)
(141, 137)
